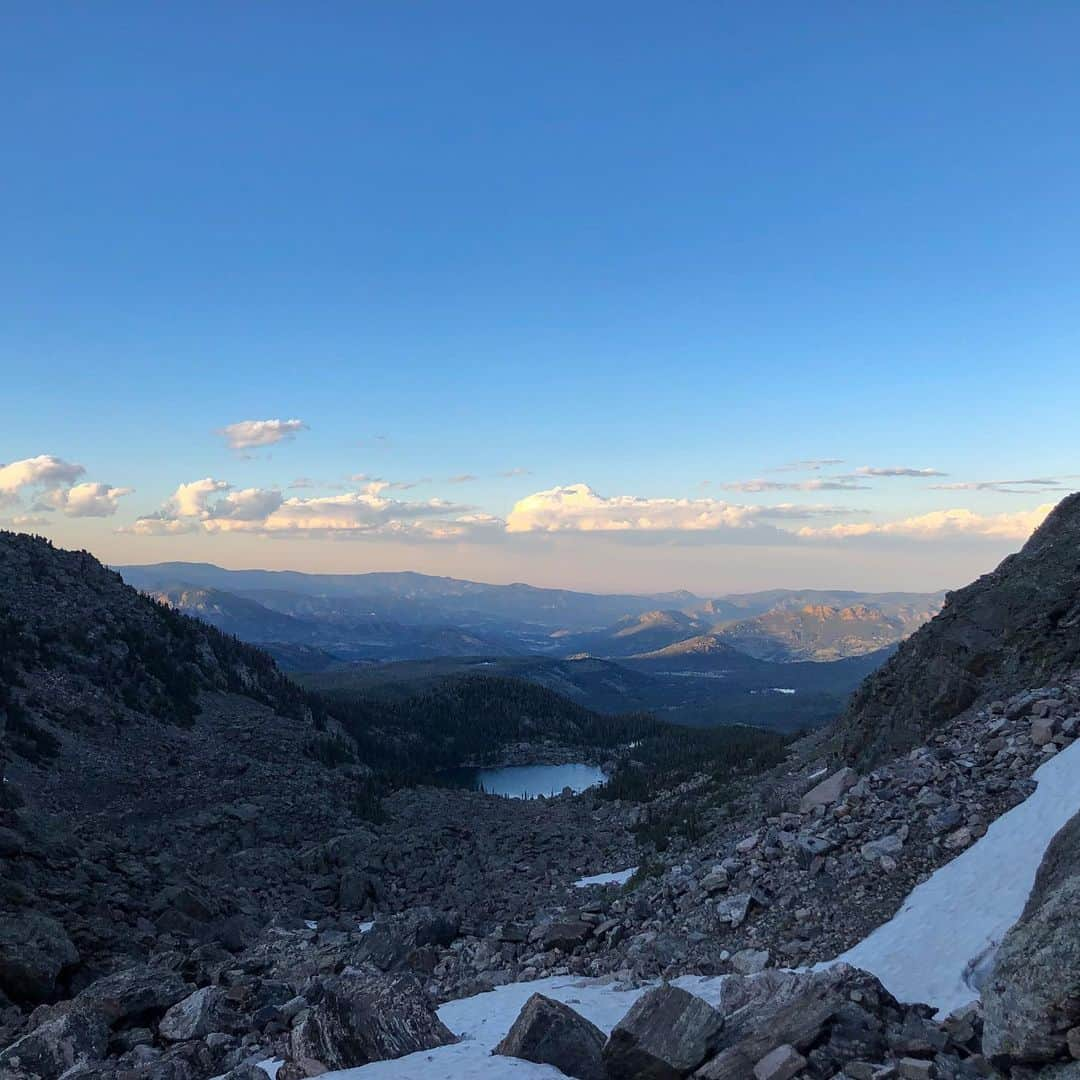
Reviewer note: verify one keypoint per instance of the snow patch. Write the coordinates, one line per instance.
(364, 927)
(938, 947)
(618, 877)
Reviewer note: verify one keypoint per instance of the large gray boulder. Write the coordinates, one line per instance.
(138, 992)
(829, 790)
(34, 950)
(1032, 997)
(70, 1038)
(360, 1019)
(551, 1033)
(205, 1011)
(666, 1035)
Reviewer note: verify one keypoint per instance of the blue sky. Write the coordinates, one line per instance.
(651, 250)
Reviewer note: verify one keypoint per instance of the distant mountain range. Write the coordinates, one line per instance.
(314, 621)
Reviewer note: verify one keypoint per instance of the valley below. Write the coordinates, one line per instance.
(213, 869)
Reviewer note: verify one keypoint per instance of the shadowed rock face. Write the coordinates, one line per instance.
(1016, 627)
(1032, 999)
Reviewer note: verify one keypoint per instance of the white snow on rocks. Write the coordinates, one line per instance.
(944, 935)
(484, 1019)
(619, 877)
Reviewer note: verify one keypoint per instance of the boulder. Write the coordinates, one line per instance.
(34, 950)
(666, 1035)
(550, 1033)
(776, 1009)
(363, 1018)
(74, 1036)
(779, 1064)
(196, 1015)
(884, 845)
(1032, 997)
(391, 941)
(566, 936)
(750, 961)
(134, 993)
(829, 790)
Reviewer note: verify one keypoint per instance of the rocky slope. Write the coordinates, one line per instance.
(1014, 628)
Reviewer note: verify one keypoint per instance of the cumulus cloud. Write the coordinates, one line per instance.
(87, 500)
(940, 524)
(578, 508)
(51, 484)
(248, 434)
(193, 498)
(213, 506)
(896, 470)
(824, 483)
(45, 470)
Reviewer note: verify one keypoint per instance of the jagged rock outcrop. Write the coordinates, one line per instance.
(1032, 999)
(1016, 627)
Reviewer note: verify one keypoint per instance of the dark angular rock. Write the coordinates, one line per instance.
(34, 950)
(566, 936)
(390, 941)
(134, 992)
(551, 1033)
(666, 1035)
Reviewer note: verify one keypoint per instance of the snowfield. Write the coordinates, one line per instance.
(619, 877)
(933, 950)
(942, 940)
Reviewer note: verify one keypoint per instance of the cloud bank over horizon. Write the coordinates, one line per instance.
(788, 516)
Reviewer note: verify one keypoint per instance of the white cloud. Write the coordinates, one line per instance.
(45, 470)
(193, 499)
(245, 434)
(264, 511)
(896, 470)
(1036, 486)
(577, 508)
(88, 499)
(250, 504)
(940, 524)
(825, 483)
(462, 478)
